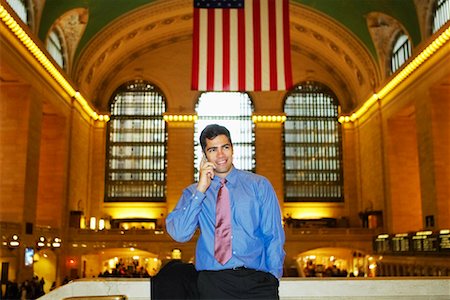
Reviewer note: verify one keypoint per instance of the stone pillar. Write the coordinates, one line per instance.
(20, 134)
(350, 161)
(180, 160)
(440, 118)
(269, 155)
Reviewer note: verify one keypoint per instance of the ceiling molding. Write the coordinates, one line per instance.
(156, 21)
(355, 73)
(342, 51)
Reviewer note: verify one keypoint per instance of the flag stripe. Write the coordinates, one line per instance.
(273, 71)
(234, 52)
(210, 49)
(280, 80)
(218, 50)
(242, 49)
(246, 46)
(195, 51)
(287, 47)
(226, 50)
(257, 45)
(203, 47)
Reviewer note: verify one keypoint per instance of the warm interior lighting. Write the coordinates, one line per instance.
(101, 224)
(423, 56)
(83, 222)
(176, 254)
(383, 236)
(41, 242)
(268, 119)
(15, 241)
(35, 51)
(56, 243)
(180, 118)
(93, 223)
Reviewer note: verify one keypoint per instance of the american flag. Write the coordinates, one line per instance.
(241, 45)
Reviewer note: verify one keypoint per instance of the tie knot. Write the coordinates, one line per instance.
(223, 181)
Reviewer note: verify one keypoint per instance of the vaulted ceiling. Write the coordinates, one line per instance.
(341, 43)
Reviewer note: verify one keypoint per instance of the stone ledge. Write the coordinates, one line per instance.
(379, 288)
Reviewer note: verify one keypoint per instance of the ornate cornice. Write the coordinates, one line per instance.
(142, 26)
(342, 49)
(334, 36)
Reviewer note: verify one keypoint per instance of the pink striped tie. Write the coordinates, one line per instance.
(222, 237)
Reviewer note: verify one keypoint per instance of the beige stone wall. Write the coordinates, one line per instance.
(53, 173)
(98, 135)
(404, 187)
(350, 161)
(80, 152)
(180, 160)
(371, 172)
(20, 124)
(441, 145)
(269, 153)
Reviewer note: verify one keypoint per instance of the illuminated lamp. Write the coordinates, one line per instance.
(93, 223)
(56, 243)
(101, 224)
(14, 243)
(176, 253)
(41, 242)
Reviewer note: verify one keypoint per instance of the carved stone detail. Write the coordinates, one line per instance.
(424, 10)
(383, 30)
(72, 25)
(138, 26)
(342, 43)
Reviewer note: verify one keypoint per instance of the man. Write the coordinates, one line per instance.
(251, 262)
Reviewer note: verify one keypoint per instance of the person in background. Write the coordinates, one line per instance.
(246, 260)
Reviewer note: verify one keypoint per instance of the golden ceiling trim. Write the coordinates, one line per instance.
(44, 62)
(414, 63)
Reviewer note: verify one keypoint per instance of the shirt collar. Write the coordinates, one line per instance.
(231, 177)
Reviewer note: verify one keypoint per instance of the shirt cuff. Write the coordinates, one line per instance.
(198, 196)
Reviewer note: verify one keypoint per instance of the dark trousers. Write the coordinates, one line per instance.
(237, 284)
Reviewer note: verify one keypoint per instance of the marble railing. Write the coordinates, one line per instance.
(380, 288)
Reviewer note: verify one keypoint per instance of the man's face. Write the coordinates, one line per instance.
(219, 151)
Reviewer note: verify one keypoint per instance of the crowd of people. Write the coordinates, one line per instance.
(126, 272)
(29, 289)
(313, 270)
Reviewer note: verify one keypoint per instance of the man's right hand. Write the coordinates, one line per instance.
(206, 174)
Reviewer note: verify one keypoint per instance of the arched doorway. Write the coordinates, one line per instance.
(333, 262)
(120, 262)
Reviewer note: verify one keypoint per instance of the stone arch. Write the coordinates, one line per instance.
(131, 36)
(71, 26)
(346, 260)
(424, 10)
(384, 30)
(333, 55)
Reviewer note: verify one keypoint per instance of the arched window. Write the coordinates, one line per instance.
(401, 52)
(234, 111)
(441, 14)
(136, 145)
(312, 145)
(55, 48)
(20, 8)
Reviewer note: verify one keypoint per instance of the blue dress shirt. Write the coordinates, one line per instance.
(257, 231)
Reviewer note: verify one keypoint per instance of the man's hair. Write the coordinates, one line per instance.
(211, 131)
